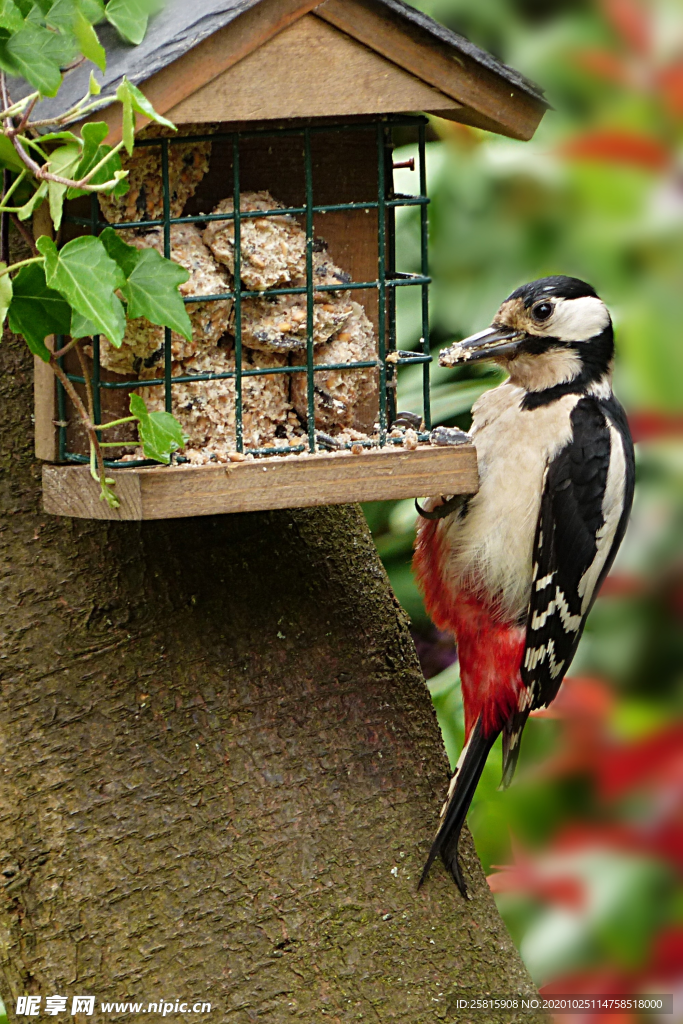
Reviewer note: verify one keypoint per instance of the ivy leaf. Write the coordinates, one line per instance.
(36, 54)
(54, 136)
(64, 162)
(8, 155)
(87, 278)
(5, 294)
(133, 101)
(93, 152)
(36, 310)
(33, 203)
(81, 327)
(68, 16)
(152, 291)
(93, 10)
(10, 16)
(94, 87)
(129, 18)
(87, 39)
(160, 432)
(61, 14)
(93, 134)
(125, 255)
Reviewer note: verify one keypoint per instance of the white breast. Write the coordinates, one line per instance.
(491, 548)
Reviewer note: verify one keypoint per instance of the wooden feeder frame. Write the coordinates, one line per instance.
(398, 474)
(242, 67)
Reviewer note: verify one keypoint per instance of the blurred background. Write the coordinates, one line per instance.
(585, 851)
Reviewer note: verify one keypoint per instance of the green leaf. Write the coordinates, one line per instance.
(61, 14)
(33, 203)
(88, 41)
(36, 310)
(93, 152)
(152, 291)
(54, 136)
(160, 432)
(63, 162)
(93, 10)
(133, 101)
(8, 155)
(81, 327)
(94, 87)
(125, 255)
(69, 17)
(37, 54)
(93, 134)
(127, 119)
(10, 16)
(5, 293)
(129, 19)
(87, 277)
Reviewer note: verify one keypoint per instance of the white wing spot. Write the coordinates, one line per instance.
(555, 667)
(570, 622)
(545, 581)
(525, 698)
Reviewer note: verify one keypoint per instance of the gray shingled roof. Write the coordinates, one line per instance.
(181, 25)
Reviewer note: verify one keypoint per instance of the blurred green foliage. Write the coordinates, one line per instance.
(598, 194)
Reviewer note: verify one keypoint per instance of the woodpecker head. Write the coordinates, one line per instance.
(554, 331)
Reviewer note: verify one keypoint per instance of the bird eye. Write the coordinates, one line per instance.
(542, 310)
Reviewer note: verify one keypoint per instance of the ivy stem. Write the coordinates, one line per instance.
(66, 348)
(88, 424)
(27, 113)
(116, 423)
(22, 263)
(99, 165)
(17, 107)
(4, 219)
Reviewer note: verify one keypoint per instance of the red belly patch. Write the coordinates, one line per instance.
(490, 651)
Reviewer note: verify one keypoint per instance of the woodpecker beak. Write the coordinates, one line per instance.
(488, 344)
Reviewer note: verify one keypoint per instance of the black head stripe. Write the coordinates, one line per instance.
(558, 287)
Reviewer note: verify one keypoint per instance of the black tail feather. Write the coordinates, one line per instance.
(467, 778)
(512, 735)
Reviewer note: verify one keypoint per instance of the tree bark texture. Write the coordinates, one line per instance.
(221, 770)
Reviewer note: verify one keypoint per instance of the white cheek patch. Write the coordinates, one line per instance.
(577, 319)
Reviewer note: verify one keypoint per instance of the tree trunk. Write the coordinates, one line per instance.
(221, 769)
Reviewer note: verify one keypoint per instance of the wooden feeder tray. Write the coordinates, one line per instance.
(323, 479)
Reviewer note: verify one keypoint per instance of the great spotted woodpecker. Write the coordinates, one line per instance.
(514, 569)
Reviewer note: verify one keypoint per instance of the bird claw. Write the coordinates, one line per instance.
(442, 436)
(408, 419)
(327, 442)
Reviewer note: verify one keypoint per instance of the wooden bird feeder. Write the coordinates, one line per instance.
(298, 103)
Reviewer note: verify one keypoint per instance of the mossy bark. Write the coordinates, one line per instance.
(221, 770)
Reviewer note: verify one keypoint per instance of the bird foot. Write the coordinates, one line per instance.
(442, 436)
(408, 419)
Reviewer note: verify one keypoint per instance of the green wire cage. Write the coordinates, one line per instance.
(384, 285)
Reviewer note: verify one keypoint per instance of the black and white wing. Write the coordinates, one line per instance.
(587, 497)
